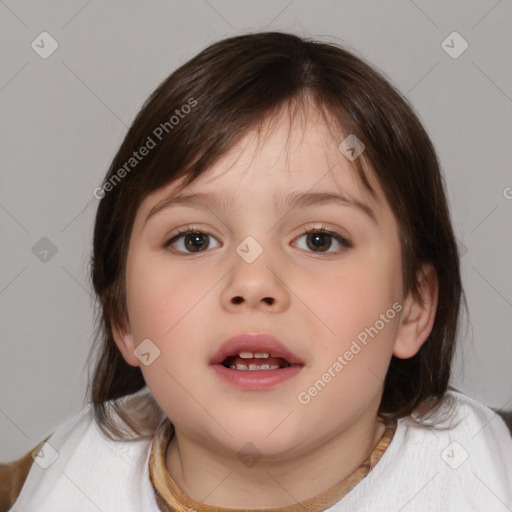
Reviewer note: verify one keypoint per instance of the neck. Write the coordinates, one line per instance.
(221, 480)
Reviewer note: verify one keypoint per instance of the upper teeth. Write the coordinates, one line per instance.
(250, 355)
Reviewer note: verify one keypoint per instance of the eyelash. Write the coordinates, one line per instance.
(343, 241)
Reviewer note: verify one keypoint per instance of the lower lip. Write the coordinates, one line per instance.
(255, 380)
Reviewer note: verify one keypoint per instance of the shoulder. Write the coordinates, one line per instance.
(13, 476)
(470, 414)
(98, 467)
(470, 424)
(468, 454)
(463, 462)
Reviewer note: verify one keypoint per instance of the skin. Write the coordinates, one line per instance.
(183, 302)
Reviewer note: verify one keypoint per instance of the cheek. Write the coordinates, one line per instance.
(165, 306)
(355, 296)
(158, 296)
(354, 342)
(359, 323)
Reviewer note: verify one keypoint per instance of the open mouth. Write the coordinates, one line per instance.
(250, 361)
(255, 362)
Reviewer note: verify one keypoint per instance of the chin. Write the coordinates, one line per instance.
(270, 437)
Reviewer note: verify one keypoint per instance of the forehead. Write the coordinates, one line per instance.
(296, 150)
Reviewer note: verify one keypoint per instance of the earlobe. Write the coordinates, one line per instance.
(124, 341)
(418, 314)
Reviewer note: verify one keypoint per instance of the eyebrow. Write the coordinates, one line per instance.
(290, 202)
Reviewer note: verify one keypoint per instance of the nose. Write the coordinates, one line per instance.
(256, 285)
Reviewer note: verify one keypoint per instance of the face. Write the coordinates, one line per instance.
(331, 298)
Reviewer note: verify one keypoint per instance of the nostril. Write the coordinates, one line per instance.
(237, 300)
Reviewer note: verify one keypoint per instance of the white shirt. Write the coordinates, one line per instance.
(466, 468)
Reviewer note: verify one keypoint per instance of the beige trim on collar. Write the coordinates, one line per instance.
(171, 498)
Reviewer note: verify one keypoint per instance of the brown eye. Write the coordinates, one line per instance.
(320, 241)
(190, 242)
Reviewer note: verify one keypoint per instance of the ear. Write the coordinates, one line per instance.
(124, 341)
(418, 314)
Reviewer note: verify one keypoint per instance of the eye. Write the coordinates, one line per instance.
(194, 241)
(320, 240)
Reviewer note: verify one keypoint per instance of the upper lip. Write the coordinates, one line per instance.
(254, 342)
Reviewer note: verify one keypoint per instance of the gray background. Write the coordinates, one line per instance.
(63, 118)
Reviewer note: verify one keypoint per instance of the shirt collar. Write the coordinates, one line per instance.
(170, 498)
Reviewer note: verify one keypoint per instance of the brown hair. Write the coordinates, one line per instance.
(231, 87)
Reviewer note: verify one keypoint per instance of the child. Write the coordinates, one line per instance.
(279, 286)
